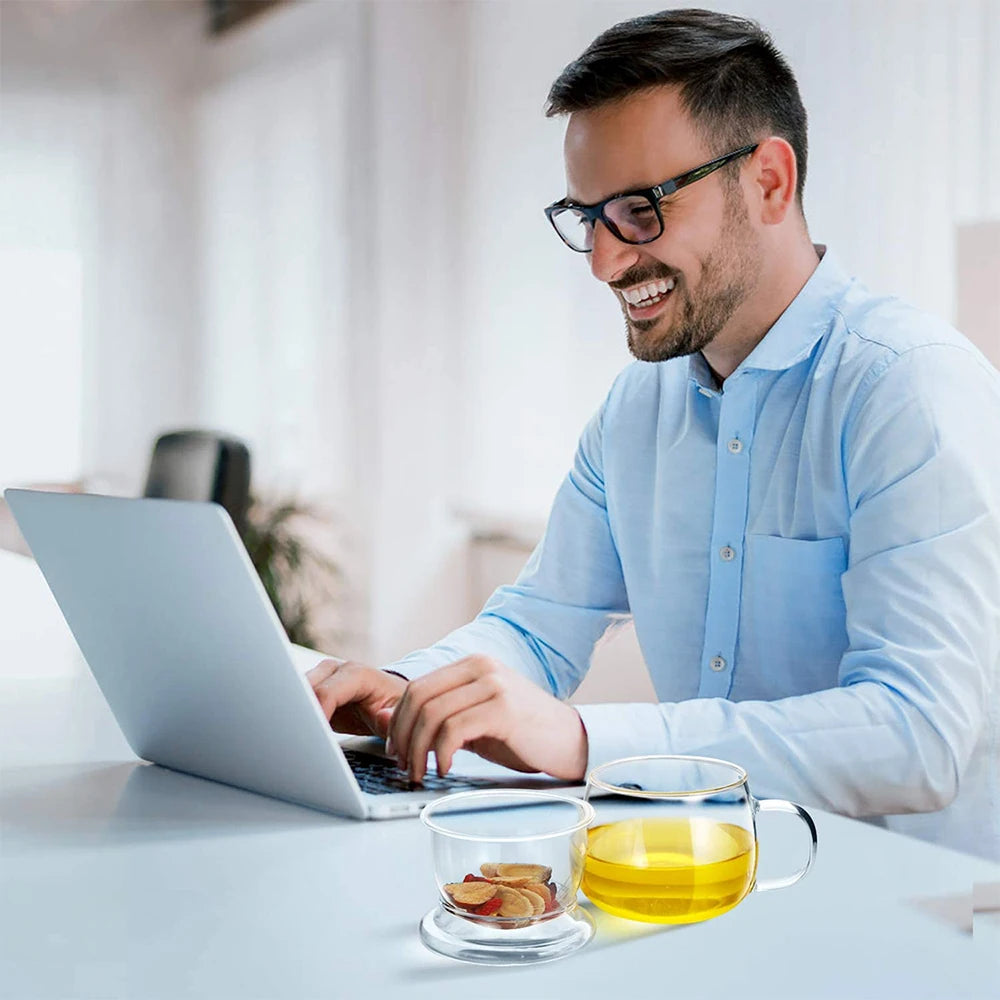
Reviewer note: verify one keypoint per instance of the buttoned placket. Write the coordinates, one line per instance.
(737, 407)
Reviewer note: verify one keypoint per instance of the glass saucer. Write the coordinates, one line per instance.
(469, 941)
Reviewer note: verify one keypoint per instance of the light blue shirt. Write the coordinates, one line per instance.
(810, 555)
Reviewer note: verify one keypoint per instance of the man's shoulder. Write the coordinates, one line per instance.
(883, 349)
(872, 331)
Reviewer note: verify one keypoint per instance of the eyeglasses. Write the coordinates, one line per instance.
(633, 217)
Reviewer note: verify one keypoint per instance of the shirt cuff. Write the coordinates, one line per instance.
(417, 664)
(616, 731)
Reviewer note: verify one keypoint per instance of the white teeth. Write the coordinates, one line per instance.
(651, 291)
(646, 303)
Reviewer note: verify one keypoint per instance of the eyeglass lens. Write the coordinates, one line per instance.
(631, 218)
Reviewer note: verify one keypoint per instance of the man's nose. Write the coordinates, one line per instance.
(610, 257)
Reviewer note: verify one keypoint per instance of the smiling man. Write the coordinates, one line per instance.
(794, 491)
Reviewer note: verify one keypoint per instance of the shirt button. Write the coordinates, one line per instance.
(735, 446)
(728, 553)
(717, 663)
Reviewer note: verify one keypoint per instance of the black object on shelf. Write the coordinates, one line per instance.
(224, 15)
(202, 465)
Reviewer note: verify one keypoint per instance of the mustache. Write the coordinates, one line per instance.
(642, 275)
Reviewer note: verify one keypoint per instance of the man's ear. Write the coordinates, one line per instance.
(774, 174)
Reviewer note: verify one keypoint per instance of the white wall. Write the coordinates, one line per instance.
(978, 250)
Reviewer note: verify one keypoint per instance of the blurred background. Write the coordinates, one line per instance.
(315, 227)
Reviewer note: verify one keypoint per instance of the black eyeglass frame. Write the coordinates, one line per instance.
(593, 213)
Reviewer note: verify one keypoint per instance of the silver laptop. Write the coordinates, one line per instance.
(179, 633)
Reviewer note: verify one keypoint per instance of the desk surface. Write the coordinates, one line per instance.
(121, 879)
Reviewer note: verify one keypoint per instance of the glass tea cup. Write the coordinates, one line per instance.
(508, 865)
(676, 839)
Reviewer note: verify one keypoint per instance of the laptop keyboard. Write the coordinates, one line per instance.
(379, 775)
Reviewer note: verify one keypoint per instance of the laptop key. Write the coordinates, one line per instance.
(380, 776)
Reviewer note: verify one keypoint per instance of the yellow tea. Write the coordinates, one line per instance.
(669, 871)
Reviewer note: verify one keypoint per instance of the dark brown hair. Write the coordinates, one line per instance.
(734, 83)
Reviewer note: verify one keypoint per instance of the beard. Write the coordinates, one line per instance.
(729, 274)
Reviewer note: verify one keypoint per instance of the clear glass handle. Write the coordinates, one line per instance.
(781, 806)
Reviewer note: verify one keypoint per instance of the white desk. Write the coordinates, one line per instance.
(119, 879)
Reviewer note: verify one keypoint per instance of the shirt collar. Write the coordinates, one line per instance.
(796, 331)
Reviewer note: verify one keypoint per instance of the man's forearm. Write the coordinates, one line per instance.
(857, 750)
(487, 635)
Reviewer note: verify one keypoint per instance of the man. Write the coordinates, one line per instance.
(794, 491)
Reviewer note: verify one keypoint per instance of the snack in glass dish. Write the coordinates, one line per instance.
(508, 865)
(515, 895)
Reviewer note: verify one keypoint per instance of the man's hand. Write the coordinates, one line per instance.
(483, 706)
(355, 698)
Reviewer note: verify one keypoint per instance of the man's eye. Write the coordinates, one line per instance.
(641, 213)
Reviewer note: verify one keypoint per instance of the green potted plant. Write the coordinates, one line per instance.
(284, 538)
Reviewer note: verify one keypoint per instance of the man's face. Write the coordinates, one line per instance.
(709, 249)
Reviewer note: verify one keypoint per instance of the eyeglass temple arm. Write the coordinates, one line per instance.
(703, 171)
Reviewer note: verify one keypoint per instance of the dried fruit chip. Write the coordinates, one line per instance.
(474, 878)
(515, 904)
(537, 901)
(542, 890)
(489, 907)
(471, 894)
(513, 883)
(488, 869)
(534, 873)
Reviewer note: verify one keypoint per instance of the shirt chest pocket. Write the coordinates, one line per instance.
(793, 619)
